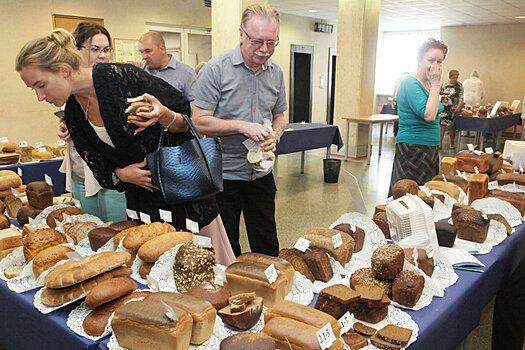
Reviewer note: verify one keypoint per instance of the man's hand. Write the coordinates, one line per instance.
(135, 175)
(270, 142)
(63, 131)
(256, 132)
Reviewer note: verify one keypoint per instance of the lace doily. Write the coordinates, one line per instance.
(444, 275)
(449, 201)
(498, 206)
(42, 216)
(135, 268)
(213, 343)
(440, 210)
(497, 234)
(37, 302)
(302, 290)
(16, 257)
(108, 247)
(512, 188)
(162, 271)
(84, 248)
(374, 238)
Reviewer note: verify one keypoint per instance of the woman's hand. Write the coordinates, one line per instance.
(135, 175)
(160, 113)
(63, 131)
(434, 75)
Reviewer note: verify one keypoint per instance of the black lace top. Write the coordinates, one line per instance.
(113, 84)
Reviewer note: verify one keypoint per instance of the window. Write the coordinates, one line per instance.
(398, 54)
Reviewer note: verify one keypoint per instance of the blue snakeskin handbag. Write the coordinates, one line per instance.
(190, 172)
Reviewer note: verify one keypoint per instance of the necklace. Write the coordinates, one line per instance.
(87, 107)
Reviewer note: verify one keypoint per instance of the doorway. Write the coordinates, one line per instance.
(332, 55)
(301, 72)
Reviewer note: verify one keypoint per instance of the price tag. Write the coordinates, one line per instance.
(48, 180)
(60, 228)
(202, 241)
(68, 219)
(39, 144)
(476, 170)
(145, 218)
(74, 256)
(427, 191)
(220, 275)
(42, 149)
(458, 172)
(344, 321)
(170, 314)
(69, 239)
(22, 144)
(15, 193)
(521, 169)
(153, 284)
(493, 185)
(3, 139)
(478, 153)
(20, 172)
(132, 214)
(444, 178)
(32, 223)
(302, 244)
(271, 273)
(192, 226)
(337, 240)
(325, 336)
(470, 147)
(61, 143)
(165, 215)
(489, 150)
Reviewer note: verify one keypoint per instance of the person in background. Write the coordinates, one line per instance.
(236, 91)
(451, 94)
(198, 67)
(416, 154)
(94, 45)
(163, 65)
(474, 91)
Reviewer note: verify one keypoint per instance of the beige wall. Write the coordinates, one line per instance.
(495, 51)
(23, 117)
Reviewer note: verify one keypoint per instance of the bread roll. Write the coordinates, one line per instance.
(7, 147)
(13, 271)
(122, 225)
(9, 179)
(74, 272)
(145, 269)
(154, 248)
(4, 222)
(47, 258)
(137, 236)
(58, 215)
(60, 296)
(109, 290)
(25, 213)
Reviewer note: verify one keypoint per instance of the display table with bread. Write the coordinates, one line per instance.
(35, 171)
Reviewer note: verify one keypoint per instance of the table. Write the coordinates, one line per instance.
(484, 126)
(380, 119)
(34, 171)
(300, 137)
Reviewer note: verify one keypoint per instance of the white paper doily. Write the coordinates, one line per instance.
(440, 210)
(497, 234)
(42, 216)
(162, 271)
(108, 247)
(498, 206)
(449, 201)
(444, 275)
(336, 279)
(512, 188)
(219, 333)
(37, 302)
(16, 257)
(84, 248)
(302, 290)
(135, 268)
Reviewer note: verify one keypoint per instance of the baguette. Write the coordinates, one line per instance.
(56, 297)
(137, 236)
(95, 322)
(154, 248)
(109, 290)
(74, 272)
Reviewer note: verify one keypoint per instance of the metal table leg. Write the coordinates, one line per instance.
(328, 151)
(347, 138)
(380, 137)
(302, 162)
(458, 142)
(498, 138)
(369, 151)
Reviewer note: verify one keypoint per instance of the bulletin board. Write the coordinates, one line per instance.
(127, 50)
(69, 23)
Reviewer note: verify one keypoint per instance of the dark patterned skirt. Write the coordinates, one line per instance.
(415, 162)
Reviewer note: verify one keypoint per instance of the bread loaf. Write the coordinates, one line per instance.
(496, 162)
(265, 260)
(472, 226)
(202, 312)
(403, 187)
(319, 264)
(61, 296)
(445, 187)
(321, 238)
(505, 179)
(364, 276)
(47, 258)
(143, 325)
(4, 222)
(334, 300)
(37, 240)
(387, 261)
(242, 341)
(137, 236)
(448, 166)
(453, 179)
(13, 205)
(424, 263)
(13, 271)
(193, 266)
(215, 294)
(9, 192)
(478, 187)
(95, 322)
(294, 257)
(154, 248)
(9, 179)
(100, 236)
(39, 195)
(381, 220)
(6, 252)
(25, 213)
(246, 317)
(407, 288)
(7, 147)
(358, 235)
(79, 230)
(122, 225)
(467, 160)
(10, 238)
(58, 215)
(109, 290)
(74, 272)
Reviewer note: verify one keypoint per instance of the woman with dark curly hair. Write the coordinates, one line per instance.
(416, 156)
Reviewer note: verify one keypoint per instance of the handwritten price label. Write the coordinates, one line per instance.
(471, 147)
(476, 152)
(39, 144)
(302, 244)
(344, 321)
(337, 240)
(3, 139)
(489, 150)
(493, 185)
(145, 218)
(271, 273)
(22, 144)
(325, 336)
(61, 143)
(42, 149)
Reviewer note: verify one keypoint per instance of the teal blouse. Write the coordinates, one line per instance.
(411, 104)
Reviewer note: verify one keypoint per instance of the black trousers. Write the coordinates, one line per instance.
(256, 199)
(508, 323)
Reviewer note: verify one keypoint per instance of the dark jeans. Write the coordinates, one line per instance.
(256, 199)
(508, 324)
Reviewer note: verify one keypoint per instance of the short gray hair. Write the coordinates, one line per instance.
(261, 10)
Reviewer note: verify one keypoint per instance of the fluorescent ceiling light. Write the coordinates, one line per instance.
(519, 17)
(313, 11)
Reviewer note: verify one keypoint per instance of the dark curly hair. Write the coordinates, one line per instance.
(87, 30)
(431, 44)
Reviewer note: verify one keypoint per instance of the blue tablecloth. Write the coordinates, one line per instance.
(485, 125)
(308, 136)
(35, 171)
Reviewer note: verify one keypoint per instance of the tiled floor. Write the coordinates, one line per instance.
(305, 201)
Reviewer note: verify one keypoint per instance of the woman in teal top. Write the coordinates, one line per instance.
(418, 107)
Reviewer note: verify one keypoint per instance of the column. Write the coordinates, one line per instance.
(357, 31)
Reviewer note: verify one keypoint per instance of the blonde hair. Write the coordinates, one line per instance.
(262, 10)
(50, 52)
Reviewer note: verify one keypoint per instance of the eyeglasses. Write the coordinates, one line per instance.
(261, 42)
(97, 50)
